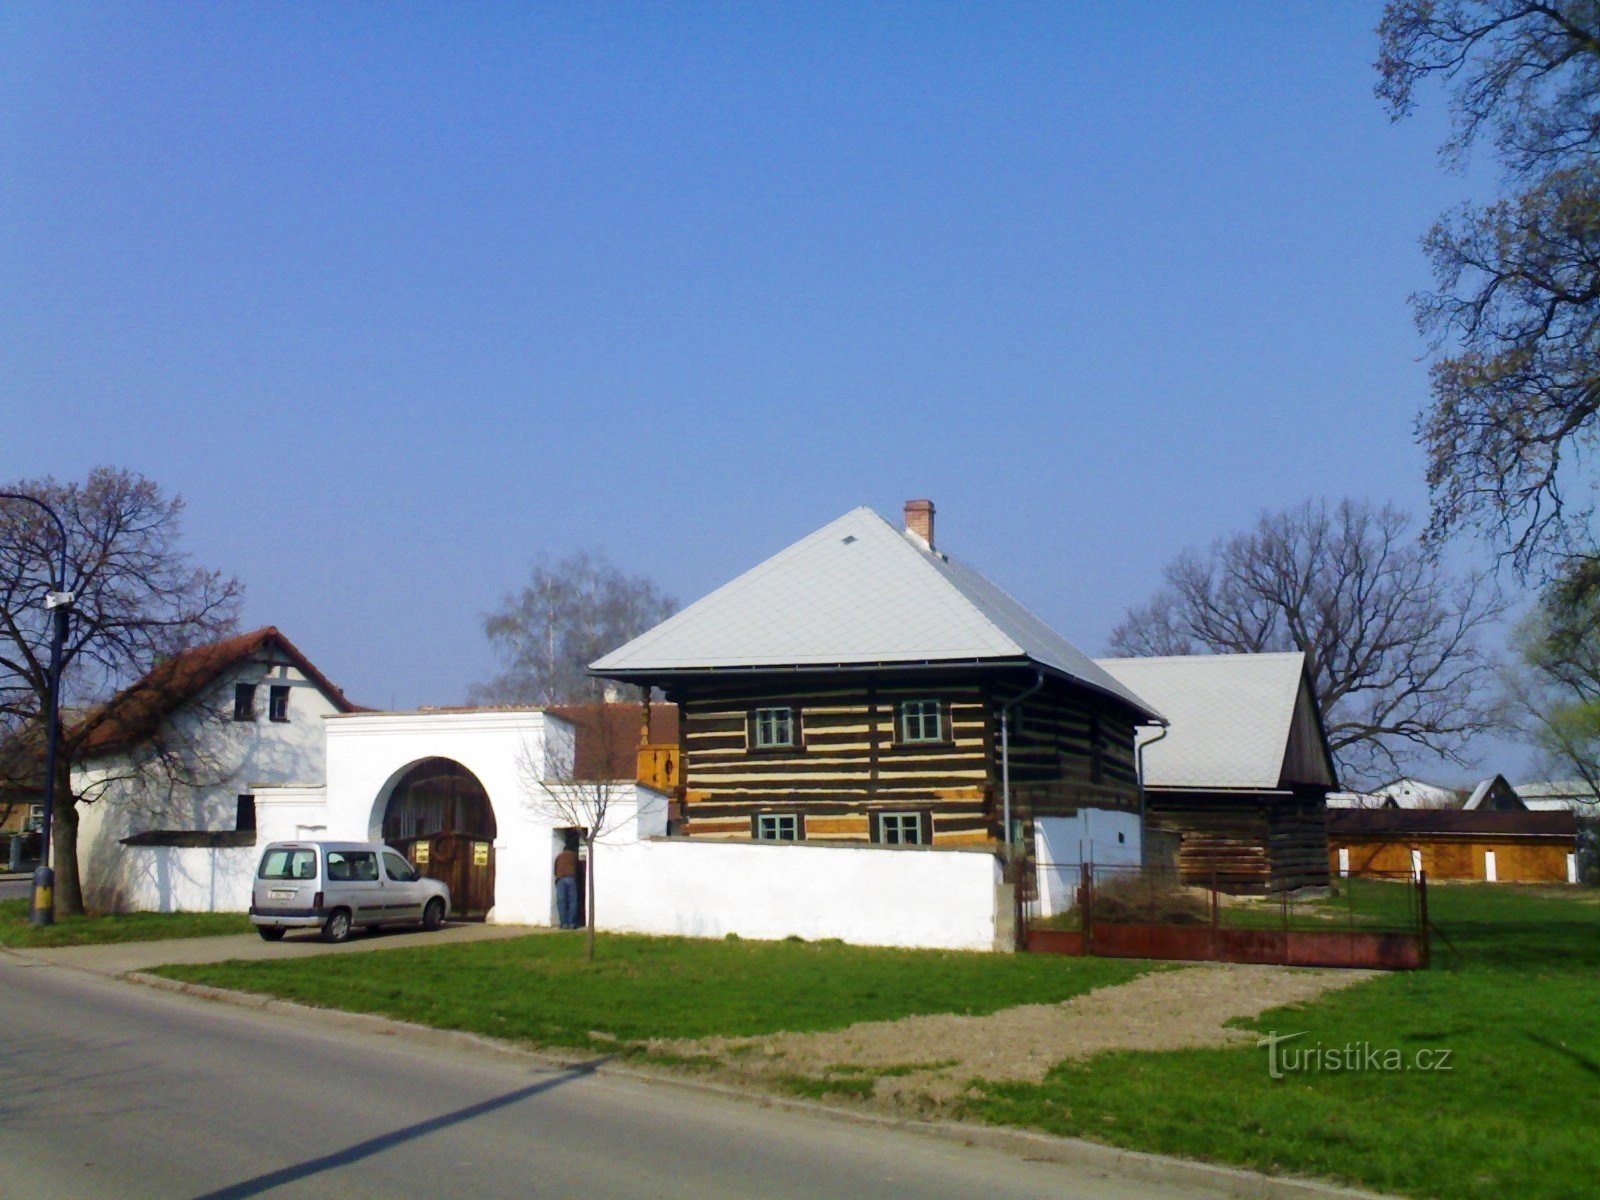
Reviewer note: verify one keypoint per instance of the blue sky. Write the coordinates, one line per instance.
(399, 297)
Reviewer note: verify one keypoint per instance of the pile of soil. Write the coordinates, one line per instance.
(932, 1059)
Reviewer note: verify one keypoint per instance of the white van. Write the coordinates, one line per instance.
(337, 886)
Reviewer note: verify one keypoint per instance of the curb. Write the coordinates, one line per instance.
(1134, 1165)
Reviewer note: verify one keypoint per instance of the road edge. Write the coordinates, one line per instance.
(1136, 1165)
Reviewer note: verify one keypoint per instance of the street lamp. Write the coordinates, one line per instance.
(58, 601)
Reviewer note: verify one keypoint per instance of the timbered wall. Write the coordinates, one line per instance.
(1247, 844)
(850, 764)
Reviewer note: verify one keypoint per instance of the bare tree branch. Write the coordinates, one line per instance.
(1390, 637)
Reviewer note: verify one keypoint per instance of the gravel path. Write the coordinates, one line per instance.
(934, 1057)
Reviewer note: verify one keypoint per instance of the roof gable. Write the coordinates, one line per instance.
(1238, 721)
(137, 711)
(856, 592)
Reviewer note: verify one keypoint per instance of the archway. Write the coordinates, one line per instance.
(439, 816)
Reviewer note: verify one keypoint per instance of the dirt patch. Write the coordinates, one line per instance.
(933, 1058)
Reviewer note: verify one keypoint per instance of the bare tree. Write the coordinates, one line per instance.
(1389, 635)
(569, 614)
(1515, 315)
(138, 601)
(580, 791)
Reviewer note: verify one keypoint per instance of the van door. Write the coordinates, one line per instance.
(401, 889)
(354, 883)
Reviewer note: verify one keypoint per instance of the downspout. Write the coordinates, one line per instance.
(1166, 727)
(1005, 759)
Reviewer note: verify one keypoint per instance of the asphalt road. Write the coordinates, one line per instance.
(15, 888)
(111, 1089)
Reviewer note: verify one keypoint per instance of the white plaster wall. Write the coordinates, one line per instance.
(865, 895)
(1063, 844)
(185, 878)
(230, 758)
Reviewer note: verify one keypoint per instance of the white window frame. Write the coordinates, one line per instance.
(900, 822)
(765, 726)
(918, 711)
(769, 827)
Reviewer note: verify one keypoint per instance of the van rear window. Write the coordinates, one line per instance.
(289, 864)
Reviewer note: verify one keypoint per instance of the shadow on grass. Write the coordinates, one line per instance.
(386, 1141)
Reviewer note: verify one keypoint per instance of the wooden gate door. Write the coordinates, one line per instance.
(463, 863)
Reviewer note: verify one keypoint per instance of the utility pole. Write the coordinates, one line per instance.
(58, 602)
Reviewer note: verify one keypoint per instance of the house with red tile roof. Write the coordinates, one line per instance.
(175, 759)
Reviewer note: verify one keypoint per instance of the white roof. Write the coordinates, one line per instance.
(1559, 795)
(1418, 793)
(1231, 716)
(858, 591)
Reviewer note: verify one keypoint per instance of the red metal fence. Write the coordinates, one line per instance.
(1370, 920)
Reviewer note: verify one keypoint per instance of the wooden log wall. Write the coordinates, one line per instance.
(1249, 844)
(850, 764)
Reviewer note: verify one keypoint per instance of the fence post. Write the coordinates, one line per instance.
(1422, 919)
(1216, 908)
(1086, 906)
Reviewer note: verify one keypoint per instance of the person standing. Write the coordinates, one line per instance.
(567, 883)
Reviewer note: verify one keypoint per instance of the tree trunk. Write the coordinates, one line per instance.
(64, 839)
(588, 902)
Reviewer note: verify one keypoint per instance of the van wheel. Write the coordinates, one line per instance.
(270, 933)
(338, 927)
(433, 915)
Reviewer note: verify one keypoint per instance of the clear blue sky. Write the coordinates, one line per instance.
(399, 297)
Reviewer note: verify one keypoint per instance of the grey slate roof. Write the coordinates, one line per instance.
(856, 592)
(1230, 714)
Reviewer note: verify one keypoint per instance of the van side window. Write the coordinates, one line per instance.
(398, 868)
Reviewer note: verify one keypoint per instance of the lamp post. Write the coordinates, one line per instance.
(58, 601)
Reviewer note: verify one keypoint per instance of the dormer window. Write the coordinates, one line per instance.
(921, 721)
(772, 728)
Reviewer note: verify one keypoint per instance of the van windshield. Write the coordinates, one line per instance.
(289, 864)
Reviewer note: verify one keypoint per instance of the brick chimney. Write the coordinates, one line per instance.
(919, 520)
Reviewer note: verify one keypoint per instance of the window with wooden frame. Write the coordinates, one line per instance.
(278, 703)
(775, 728)
(244, 702)
(902, 828)
(921, 721)
(778, 827)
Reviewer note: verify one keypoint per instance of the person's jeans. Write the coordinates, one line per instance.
(567, 901)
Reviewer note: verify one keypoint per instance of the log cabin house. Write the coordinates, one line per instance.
(1239, 779)
(863, 686)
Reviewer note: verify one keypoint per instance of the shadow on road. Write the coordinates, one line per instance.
(385, 1141)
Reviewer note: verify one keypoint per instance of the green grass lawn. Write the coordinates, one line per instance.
(1514, 996)
(127, 927)
(539, 989)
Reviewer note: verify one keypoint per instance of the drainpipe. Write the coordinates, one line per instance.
(1005, 759)
(1166, 727)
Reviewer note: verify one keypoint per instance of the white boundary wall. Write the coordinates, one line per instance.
(868, 896)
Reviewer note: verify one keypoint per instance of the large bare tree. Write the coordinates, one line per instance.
(1391, 637)
(567, 615)
(138, 600)
(1514, 315)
